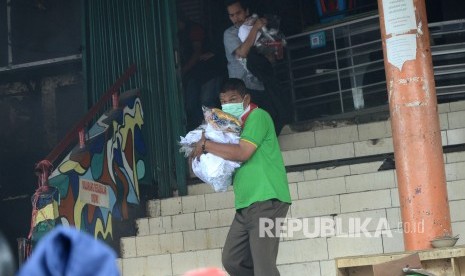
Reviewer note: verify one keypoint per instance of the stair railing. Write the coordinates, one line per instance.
(44, 168)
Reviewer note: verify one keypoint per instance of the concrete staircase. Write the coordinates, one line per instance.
(187, 232)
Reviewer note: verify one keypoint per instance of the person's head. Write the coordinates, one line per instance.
(237, 11)
(234, 97)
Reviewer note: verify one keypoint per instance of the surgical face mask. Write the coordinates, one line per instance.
(235, 109)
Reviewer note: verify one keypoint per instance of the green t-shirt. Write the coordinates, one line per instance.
(263, 176)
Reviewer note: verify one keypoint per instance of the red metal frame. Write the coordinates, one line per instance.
(73, 134)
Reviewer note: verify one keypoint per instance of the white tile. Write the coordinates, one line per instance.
(315, 207)
(375, 130)
(185, 261)
(320, 188)
(456, 190)
(365, 201)
(183, 222)
(293, 191)
(370, 181)
(300, 140)
(443, 108)
(456, 106)
(128, 247)
(333, 171)
(365, 167)
(333, 152)
(194, 203)
(456, 210)
(310, 175)
(147, 245)
(395, 197)
(295, 177)
(216, 237)
(393, 242)
(353, 246)
(443, 121)
(142, 226)
(374, 146)
(295, 157)
(336, 136)
(312, 268)
(160, 225)
(153, 208)
(444, 140)
(135, 266)
(222, 200)
(119, 264)
(370, 220)
(394, 218)
(458, 228)
(299, 251)
(456, 136)
(455, 157)
(171, 243)
(215, 218)
(195, 240)
(199, 189)
(328, 268)
(455, 171)
(171, 206)
(159, 265)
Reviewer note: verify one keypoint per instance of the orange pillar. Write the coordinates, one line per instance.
(414, 121)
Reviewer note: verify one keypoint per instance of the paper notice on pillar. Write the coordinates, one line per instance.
(400, 49)
(94, 193)
(399, 16)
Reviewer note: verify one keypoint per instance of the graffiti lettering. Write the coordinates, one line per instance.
(93, 187)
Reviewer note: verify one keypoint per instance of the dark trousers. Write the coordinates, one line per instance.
(280, 103)
(245, 252)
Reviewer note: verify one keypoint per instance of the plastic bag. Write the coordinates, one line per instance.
(211, 169)
(270, 40)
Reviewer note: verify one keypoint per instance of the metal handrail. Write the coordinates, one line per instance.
(346, 62)
(73, 134)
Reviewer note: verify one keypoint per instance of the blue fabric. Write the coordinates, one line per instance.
(66, 251)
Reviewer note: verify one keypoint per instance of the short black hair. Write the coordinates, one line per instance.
(233, 84)
(243, 3)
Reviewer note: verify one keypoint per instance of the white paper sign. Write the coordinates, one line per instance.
(399, 16)
(94, 193)
(400, 49)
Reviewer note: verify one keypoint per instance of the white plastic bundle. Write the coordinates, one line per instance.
(210, 168)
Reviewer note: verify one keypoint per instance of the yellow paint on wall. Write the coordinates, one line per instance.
(70, 165)
(49, 212)
(100, 228)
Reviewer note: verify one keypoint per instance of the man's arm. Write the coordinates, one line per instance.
(243, 50)
(235, 152)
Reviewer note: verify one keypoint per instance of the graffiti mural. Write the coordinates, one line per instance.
(97, 183)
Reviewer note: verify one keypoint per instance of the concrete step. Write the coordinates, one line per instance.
(342, 140)
(183, 233)
(169, 264)
(192, 233)
(347, 179)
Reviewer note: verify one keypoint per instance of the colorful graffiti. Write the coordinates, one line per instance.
(97, 183)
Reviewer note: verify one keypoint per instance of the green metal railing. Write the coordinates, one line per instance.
(119, 33)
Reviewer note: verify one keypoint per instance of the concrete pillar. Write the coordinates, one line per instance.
(415, 122)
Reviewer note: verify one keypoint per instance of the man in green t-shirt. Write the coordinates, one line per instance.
(260, 185)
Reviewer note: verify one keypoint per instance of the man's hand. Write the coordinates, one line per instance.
(198, 149)
(260, 23)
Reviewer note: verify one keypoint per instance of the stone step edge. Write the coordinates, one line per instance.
(131, 243)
